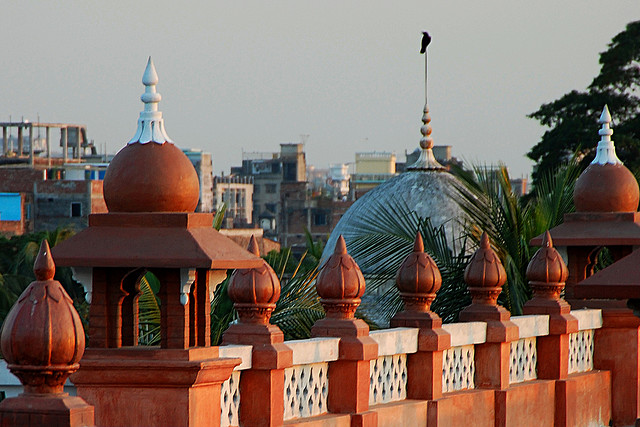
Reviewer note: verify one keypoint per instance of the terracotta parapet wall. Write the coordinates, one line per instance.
(580, 399)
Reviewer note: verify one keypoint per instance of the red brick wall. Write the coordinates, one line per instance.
(19, 180)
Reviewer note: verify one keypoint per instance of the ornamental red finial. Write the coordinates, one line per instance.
(253, 246)
(547, 271)
(485, 274)
(44, 268)
(42, 337)
(418, 278)
(255, 291)
(340, 284)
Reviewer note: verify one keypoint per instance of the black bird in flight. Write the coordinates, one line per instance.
(426, 39)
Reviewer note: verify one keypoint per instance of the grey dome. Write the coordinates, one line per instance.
(427, 192)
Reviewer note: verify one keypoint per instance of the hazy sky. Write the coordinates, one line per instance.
(249, 75)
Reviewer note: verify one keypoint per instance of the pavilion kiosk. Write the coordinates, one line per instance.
(151, 190)
(606, 199)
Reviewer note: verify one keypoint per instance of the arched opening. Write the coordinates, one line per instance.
(149, 331)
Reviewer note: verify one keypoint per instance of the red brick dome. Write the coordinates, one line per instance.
(150, 174)
(606, 185)
(151, 177)
(606, 188)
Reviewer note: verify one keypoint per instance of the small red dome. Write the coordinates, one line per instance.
(606, 188)
(485, 269)
(340, 277)
(340, 284)
(547, 266)
(42, 336)
(255, 291)
(419, 274)
(151, 177)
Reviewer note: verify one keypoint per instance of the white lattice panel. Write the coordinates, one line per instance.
(458, 368)
(305, 390)
(524, 359)
(581, 351)
(230, 400)
(388, 379)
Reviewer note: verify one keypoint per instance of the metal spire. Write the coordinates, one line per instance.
(150, 123)
(606, 151)
(427, 160)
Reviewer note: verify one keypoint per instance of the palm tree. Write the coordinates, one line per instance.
(486, 197)
(379, 246)
(17, 256)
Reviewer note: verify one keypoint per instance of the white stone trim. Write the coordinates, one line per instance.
(396, 341)
(306, 390)
(523, 360)
(581, 351)
(230, 401)
(466, 333)
(314, 350)
(388, 379)
(187, 277)
(241, 351)
(588, 318)
(458, 368)
(535, 325)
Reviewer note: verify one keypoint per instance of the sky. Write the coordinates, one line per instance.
(345, 76)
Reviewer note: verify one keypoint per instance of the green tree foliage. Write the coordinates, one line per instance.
(491, 206)
(17, 256)
(380, 245)
(572, 119)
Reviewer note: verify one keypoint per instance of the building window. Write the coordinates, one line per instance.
(270, 188)
(76, 209)
(271, 207)
(320, 218)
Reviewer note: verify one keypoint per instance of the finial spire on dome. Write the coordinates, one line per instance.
(606, 151)
(150, 123)
(427, 160)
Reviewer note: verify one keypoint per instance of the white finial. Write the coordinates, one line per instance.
(150, 123)
(606, 151)
(427, 160)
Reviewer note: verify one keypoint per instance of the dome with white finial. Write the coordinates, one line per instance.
(426, 188)
(151, 174)
(606, 185)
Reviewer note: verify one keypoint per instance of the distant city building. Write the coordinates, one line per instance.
(339, 180)
(269, 171)
(237, 193)
(372, 169)
(39, 199)
(203, 165)
(18, 149)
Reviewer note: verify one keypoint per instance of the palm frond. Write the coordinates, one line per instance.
(486, 197)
